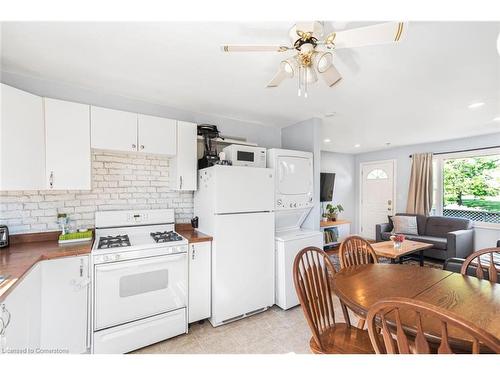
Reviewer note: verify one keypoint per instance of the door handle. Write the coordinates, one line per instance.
(180, 182)
(51, 179)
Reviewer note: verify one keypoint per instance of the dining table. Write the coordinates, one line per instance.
(474, 300)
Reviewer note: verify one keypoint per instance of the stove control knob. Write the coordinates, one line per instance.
(280, 202)
(117, 256)
(106, 258)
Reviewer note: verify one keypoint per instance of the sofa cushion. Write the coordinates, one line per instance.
(421, 222)
(439, 226)
(437, 242)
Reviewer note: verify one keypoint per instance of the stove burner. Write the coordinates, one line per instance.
(109, 242)
(166, 236)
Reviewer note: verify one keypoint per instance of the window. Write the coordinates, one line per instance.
(377, 174)
(468, 185)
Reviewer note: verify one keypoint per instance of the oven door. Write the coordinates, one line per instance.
(135, 289)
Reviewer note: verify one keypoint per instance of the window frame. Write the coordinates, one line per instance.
(439, 191)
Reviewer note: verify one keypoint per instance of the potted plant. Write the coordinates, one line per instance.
(332, 211)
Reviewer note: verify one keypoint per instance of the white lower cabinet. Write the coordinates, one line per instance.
(48, 309)
(200, 255)
(20, 312)
(64, 304)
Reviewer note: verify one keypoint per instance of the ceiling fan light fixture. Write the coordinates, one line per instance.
(324, 61)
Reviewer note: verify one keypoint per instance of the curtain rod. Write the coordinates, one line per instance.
(468, 150)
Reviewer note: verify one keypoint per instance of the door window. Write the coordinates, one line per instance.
(377, 174)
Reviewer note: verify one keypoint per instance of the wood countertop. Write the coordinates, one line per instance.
(26, 250)
(191, 234)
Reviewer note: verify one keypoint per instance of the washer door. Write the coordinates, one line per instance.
(135, 289)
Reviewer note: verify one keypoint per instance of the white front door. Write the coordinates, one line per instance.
(377, 195)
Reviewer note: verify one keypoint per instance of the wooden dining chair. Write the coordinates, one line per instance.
(475, 260)
(385, 317)
(312, 275)
(355, 250)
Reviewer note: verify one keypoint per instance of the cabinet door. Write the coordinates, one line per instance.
(64, 313)
(199, 281)
(156, 135)
(22, 158)
(185, 165)
(67, 134)
(23, 307)
(113, 130)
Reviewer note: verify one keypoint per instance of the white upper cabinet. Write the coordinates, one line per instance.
(185, 164)
(113, 130)
(156, 135)
(22, 158)
(67, 135)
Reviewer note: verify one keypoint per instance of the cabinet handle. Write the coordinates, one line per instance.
(51, 179)
(180, 180)
(81, 267)
(133, 146)
(142, 147)
(194, 252)
(4, 323)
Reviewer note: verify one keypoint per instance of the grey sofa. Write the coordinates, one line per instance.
(451, 237)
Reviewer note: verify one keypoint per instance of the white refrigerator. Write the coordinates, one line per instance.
(235, 205)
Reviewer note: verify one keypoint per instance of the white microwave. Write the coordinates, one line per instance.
(247, 156)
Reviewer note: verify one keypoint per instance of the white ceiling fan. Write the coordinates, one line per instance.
(314, 54)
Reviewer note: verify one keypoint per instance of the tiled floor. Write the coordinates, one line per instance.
(271, 332)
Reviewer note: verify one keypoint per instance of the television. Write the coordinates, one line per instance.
(326, 187)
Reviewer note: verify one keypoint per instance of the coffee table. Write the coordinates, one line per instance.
(386, 249)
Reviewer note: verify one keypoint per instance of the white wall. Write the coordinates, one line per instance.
(306, 136)
(344, 191)
(484, 237)
(265, 136)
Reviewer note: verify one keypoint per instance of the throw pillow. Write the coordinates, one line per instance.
(405, 224)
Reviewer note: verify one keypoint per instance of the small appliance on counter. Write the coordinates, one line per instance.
(246, 156)
(210, 157)
(194, 222)
(4, 236)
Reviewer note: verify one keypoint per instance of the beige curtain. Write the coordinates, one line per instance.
(420, 190)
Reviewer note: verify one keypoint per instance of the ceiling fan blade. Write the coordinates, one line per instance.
(331, 76)
(254, 48)
(287, 70)
(278, 78)
(388, 32)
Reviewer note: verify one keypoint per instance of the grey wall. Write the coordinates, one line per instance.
(306, 136)
(484, 236)
(265, 136)
(343, 166)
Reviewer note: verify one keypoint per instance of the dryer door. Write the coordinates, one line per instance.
(295, 175)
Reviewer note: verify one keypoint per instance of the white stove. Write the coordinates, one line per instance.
(140, 280)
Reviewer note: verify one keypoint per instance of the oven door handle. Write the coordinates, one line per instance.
(138, 263)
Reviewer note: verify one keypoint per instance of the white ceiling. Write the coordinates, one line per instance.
(414, 92)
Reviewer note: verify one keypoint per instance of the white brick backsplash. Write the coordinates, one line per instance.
(119, 182)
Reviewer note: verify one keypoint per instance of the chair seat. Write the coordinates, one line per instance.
(341, 339)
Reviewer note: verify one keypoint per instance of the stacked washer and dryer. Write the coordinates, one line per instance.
(294, 199)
